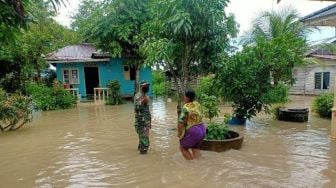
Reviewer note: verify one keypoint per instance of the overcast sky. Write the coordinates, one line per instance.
(244, 11)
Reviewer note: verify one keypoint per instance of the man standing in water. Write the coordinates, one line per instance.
(142, 117)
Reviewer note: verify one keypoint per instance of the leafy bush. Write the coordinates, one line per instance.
(244, 79)
(210, 106)
(15, 111)
(42, 96)
(114, 98)
(217, 131)
(323, 104)
(50, 98)
(277, 94)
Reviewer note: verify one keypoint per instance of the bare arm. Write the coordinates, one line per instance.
(181, 127)
(144, 100)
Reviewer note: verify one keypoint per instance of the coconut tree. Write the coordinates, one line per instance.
(285, 36)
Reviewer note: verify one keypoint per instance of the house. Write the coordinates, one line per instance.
(82, 68)
(318, 78)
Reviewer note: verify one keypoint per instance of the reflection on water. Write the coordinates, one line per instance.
(95, 146)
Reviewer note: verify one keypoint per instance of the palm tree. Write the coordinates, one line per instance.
(271, 24)
(285, 38)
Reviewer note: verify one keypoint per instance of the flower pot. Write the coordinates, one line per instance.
(233, 141)
(237, 121)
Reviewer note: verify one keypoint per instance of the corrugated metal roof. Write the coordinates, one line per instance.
(75, 53)
(317, 16)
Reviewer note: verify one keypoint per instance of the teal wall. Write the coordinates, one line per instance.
(113, 70)
(80, 67)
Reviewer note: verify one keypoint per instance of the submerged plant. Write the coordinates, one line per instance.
(217, 131)
(114, 98)
(15, 111)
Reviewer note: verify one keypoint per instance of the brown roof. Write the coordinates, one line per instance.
(76, 53)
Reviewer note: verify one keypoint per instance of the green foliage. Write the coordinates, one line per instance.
(50, 98)
(15, 15)
(206, 86)
(217, 131)
(114, 98)
(277, 94)
(281, 39)
(186, 38)
(210, 106)
(323, 104)
(24, 58)
(115, 26)
(15, 111)
(158, 83)
(244, 79)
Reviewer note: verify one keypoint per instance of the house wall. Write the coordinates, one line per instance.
(113, 70)
(305, 78)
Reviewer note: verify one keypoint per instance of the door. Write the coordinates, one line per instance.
(91, 79)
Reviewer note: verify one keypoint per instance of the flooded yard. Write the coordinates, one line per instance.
(96, 146)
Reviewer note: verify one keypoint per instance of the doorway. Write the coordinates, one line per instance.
(91, 79)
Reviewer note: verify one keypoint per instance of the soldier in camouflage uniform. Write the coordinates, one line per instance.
(142, 117)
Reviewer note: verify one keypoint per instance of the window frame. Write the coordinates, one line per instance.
(321, 80)
(70, 77)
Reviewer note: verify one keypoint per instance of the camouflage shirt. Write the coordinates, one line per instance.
(142, 112)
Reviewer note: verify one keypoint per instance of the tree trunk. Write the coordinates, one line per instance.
(137, 78)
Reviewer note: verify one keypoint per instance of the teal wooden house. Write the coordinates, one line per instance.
(80, 67)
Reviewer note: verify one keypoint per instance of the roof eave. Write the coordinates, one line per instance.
(56, 61)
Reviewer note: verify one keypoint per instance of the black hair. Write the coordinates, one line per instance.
(190, 94)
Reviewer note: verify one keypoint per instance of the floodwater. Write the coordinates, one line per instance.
(96, 146)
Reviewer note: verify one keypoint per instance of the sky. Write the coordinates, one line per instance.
(244, 11)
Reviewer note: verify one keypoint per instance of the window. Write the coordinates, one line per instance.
(129, 73)
(70, 76)
(322, 80)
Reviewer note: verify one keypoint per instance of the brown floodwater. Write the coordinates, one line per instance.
(96, 146)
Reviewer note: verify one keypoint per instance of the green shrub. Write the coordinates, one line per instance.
(217, 131)
(64, 99)
(277, 94)
(15, 111)
(115, 97)
(323, 104)
(50, 98)
(42, 96)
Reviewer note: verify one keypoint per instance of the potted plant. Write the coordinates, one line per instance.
(219, 137)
